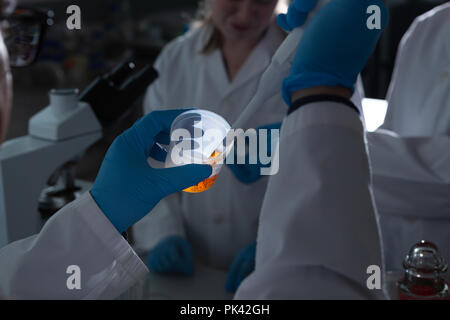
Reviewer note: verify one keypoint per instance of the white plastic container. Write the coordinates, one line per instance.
(199, 136)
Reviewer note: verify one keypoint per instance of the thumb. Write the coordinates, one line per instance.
(233, 274)
(282, 22)
(187, 258)
(183, 177)
(296, 18)
(291, 20)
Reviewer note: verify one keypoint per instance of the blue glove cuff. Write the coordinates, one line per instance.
(311, 79)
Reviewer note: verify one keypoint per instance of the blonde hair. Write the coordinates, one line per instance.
(204, 18)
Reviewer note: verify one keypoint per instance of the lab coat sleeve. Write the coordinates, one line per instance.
(78, 235)
(318, 232)
(421, 160)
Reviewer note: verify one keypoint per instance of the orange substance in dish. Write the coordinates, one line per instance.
(215, 154)
(207, 183)
(202, 186)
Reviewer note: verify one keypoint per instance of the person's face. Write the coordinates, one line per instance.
(5, 90)
(242, 19)
(6, 7)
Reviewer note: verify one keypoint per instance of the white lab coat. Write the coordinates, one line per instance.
(411, 182)
(411, 161)
(317, 230)
(419, 94)
(81, 235)
(318, 233)
(223, 220)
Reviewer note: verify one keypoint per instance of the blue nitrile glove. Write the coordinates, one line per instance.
(126, 187)
(296, 15)
(243, 265)
(249, 173)
(172, 255)
(335, 46)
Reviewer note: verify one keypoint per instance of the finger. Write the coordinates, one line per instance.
(296, 18)
(229, 286)
(145, 130)
(158, 153)
(185, 249)
(233, 274)
(165, 262)
(153, 263)
(163, 137)
(186, 267)
(182, 177)
(245, 269)
(174, 255)
(282, 22)
(178, 263)
(187, 258)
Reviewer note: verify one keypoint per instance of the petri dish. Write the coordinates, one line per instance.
(199, 136)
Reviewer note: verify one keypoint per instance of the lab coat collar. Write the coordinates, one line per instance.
(258, 60)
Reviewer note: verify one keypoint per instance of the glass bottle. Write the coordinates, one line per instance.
(423, 279)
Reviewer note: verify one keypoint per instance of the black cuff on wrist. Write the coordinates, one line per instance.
(297, 104)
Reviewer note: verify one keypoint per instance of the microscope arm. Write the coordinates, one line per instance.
(25, 165)
(56, 134)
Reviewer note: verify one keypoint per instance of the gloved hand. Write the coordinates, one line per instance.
(297, 14)
(249, 173)
(172, 255)
(242, 266)
(126, 187)
(335, 46)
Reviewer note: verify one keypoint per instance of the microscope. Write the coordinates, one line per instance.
(37, 170)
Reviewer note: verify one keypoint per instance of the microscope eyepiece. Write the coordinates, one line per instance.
(113, 95)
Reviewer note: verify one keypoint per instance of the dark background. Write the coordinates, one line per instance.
(113, 28)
